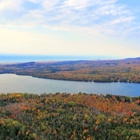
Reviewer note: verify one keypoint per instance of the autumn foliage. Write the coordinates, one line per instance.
(65, 116)
(125, 70)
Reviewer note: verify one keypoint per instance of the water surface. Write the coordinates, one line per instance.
(14, 83)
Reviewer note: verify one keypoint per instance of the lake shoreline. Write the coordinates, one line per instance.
(74, 80)
(30, 84)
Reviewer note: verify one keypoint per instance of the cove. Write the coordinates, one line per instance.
(10, 83)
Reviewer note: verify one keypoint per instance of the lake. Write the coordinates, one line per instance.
(10, 83)
(30, 58)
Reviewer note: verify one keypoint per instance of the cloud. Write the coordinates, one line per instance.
(34, 1)
(77, 4)
(70, 44)
(10, 5)
(121, 20)
(104, 17)
(49, 4)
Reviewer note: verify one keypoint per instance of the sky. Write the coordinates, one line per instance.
(70, 27)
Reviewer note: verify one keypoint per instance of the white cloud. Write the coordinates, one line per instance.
(77, 4)
(97, 18)
(34, 1)
(9, 5)
(36, 43)
(123, 20)
(49, 4)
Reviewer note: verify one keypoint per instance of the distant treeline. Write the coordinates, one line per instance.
(127, 70)
(65, 116)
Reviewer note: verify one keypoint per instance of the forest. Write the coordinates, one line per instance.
(65, 116)
(125, 70)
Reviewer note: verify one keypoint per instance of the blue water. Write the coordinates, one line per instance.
(29, 58)
(10, 83)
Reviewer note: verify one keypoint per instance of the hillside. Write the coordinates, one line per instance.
(69, 117)
(126, 70)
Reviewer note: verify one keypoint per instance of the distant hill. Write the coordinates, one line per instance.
(137, 58)
(123, 70)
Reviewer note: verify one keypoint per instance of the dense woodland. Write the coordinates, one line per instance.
(64, 116)
(127, 70)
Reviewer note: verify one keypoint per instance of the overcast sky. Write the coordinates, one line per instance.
(70, 27)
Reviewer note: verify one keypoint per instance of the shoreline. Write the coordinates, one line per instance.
(73, 80)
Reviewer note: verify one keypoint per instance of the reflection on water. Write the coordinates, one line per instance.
(14, 83)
